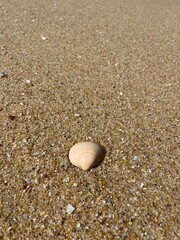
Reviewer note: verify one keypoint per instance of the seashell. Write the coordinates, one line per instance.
(86, 155)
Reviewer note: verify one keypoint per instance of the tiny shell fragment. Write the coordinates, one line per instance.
(86, 155)
(135, 158)
(43, 38)
(77, 115)
(70, 209)
(2, 74)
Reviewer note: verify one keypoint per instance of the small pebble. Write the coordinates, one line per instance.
(2, 74)
(78, 225)
(70, 209)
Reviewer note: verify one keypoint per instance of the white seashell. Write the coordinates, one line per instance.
(86, 155)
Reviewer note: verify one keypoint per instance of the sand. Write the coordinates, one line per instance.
(99, 70)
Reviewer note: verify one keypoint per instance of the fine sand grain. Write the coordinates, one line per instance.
(102, 70)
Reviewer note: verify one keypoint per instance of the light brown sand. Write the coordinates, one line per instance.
(116, 63)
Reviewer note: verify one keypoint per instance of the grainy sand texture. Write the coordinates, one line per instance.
(101, 70)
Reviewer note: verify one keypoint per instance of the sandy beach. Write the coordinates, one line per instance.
(103, 71)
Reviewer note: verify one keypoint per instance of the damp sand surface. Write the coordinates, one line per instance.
(99, 70)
